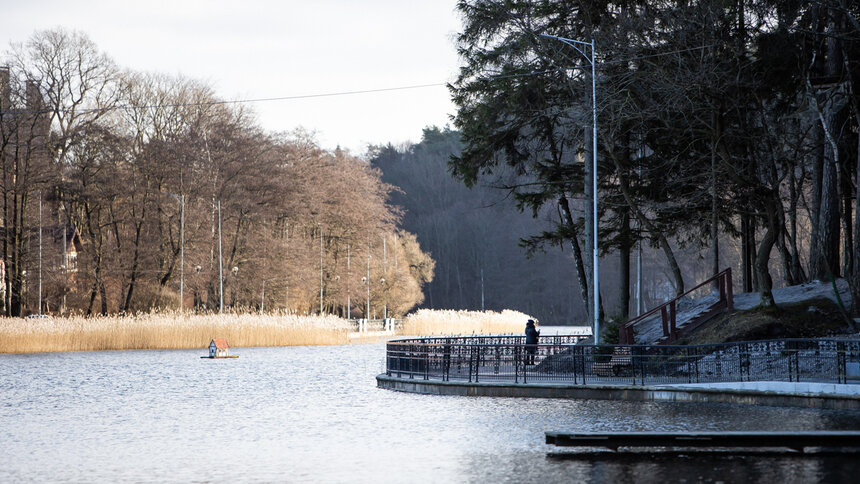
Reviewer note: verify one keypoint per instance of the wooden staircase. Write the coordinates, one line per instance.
(668, 312)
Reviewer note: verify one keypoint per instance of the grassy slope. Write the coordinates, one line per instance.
(806, 319)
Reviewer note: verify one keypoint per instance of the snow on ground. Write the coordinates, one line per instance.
(802, 292)
(651, 329)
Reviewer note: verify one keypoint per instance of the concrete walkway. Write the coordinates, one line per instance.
(781, 394)
(778, 387)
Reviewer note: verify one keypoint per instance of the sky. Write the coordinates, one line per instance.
(253, 49)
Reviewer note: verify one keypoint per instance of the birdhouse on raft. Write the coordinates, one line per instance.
(218, 348)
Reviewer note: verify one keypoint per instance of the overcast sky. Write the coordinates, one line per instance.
(276, 48)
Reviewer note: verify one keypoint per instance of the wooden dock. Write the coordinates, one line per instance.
(796, 441)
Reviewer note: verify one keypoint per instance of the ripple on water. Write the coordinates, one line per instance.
(315, 414)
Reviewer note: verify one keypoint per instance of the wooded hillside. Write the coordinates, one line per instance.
(474, 237)
(715, 120)
(136, 173)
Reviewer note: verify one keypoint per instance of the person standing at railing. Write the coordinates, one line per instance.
(532, 335)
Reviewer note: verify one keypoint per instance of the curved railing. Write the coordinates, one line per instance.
(559, 359)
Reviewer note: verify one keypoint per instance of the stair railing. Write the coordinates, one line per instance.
(668, 311)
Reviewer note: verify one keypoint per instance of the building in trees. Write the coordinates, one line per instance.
(24, 158)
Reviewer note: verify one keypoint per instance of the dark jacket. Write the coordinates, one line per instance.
(532, 334)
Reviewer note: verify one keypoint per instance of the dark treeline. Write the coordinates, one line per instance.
(114, 156)
(717, 120)
(473, 235)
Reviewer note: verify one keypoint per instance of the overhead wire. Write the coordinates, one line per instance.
(216, 102)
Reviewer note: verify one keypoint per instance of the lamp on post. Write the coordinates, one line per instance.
(366, 281)
(384, 299)
(582, 48)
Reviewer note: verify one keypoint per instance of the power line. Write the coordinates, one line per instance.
(342, 93)
(239, 101)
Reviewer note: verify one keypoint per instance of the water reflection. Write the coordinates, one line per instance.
(314, 414)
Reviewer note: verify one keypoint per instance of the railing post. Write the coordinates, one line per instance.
(665, 318)
(582, 362)
(696, 361)
(673, 330)
(477, 362)
(689, 366)
(643, 364)
(516, 355)
(842, 376)
(426, 362)
(729, 297)
(797, 365)
(446, 362)
(789, 346)
(471, 357)
(721, 285)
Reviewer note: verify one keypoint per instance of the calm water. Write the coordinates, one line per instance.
(304, 414)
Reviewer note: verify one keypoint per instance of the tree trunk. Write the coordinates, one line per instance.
(847, 226)
(796, 268)
(624, 270)
(715, 220)
(103, 297)
(855, 276)
(785, 256)
(567, 219)
(746, 252)
(763, 255)
(824, 260)
(588, 193)
(815, 202)
(661, 238)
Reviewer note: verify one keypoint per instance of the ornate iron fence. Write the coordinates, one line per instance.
(559, 359)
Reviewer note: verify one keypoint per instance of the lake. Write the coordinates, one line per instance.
(314, 414)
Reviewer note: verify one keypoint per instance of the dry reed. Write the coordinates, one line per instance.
(167, 331)
(448, 322)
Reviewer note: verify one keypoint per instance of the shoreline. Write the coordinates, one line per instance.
(848, 399)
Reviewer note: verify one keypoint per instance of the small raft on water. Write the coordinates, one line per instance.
(218, 348)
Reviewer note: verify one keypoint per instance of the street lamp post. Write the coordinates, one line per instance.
(220, 266)
(581, 47)
(181, 252)
(367, 280)
(321, 269)
(40, 253)
(348, 302)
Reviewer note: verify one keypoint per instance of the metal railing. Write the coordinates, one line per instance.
(668, 311)
(558, 359)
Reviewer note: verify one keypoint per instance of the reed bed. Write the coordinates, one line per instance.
(429, 322)
(167, 331)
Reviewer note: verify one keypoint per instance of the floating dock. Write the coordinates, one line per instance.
(796, 441)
